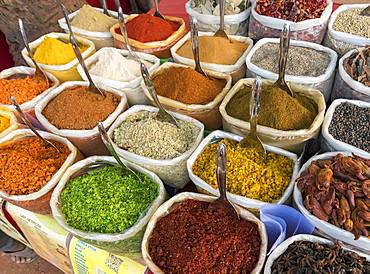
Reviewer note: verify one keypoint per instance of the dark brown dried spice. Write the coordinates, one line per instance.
(357, 65)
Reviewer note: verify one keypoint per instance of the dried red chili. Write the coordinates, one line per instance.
(196, 239)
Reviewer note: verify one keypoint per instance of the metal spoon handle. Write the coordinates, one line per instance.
(122, 26)
(365, 11)
(222, 15)
(103, 4)
(254, 105)
(283, 55)
(221, 170)
(195, 44)
(156, 6)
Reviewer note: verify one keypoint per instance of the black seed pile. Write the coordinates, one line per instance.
(351, 124)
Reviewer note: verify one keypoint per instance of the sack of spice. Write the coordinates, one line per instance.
(91, 23)
(309, 64)
(21, 83)
(184, 217)
(348, 29)
(31, 170)
(181, 89)
(153, 37)
(111, 68)
(271, 177)
(72, 111)
(311, 114)
(208, 19)
(57, 56)
(346, 82)
(346, 127)
(312, 254)
(331, 191)
(157, 146)
(210, 47)
(125, 203)
(308, 21)
(8, 122)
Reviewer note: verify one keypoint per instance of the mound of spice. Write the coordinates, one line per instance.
(23, 89)
(301, 61)
(210, 48)
(337, 190)
(187, 86)
(53, 51)
(115, 194)
(291, 10)
(309, 257)
(351, 124)
(351, 21)
(357, 65)
(144, 135)
(90, 19)
(27, 165)
(194, 238)
(278, 109)
(65, 111)
(4, 123)
(148, 28)
(249, 173)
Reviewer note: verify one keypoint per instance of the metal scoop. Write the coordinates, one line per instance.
(283, 57)
(221, 31)
(38, 73)
(252, 140)
(29, 124)
(162, 114)
(108, 144)
(92, 87)
(103, 4)
(222, 201)
(122, 26)
(195, 46)
(157, 12)
(365, 11)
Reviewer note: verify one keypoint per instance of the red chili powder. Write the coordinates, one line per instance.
(196, 239)
(148, 28)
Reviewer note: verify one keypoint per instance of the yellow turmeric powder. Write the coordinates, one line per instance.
(4, 123)
(249, 173)
(53, 51)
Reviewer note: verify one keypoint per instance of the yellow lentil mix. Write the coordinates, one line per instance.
(4, 123)
(249, 173)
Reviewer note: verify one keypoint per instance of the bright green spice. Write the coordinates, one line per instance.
(107, 200)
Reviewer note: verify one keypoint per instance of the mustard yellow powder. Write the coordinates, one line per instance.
(4, 123)
(53, 51)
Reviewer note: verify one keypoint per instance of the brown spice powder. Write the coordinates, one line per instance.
(79, 108)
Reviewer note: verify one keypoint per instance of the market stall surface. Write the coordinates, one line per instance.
(38, 266)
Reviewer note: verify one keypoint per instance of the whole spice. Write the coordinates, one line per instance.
(27, 165)
(116, 195)
(292, 10)
(249, 173)
(148, 28)
(301, 61)
(4, 123)
(351, 124)
(309, 257)
(351, 21)
(278, 110)
(187, 86)
(144, 135)
(337, 190)
(194, 238)
(211, 6)
(357, 65)
(65, 112)
(23, 89)
(210, 48)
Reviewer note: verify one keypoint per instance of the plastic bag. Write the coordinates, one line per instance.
(165, 209)
(327, 228)
(301, 237)
(160, 49)
(238, 199)
(346, 87)
(292, 140)
(235, 24)
(38, 202)
(313, 30)
(323, 82)
(126, 243)
(87, 141)
(66, 72)
(208, 114)
(342, 42)
(172, 171)
(237, 70)
(332, 144)
(132, 89)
